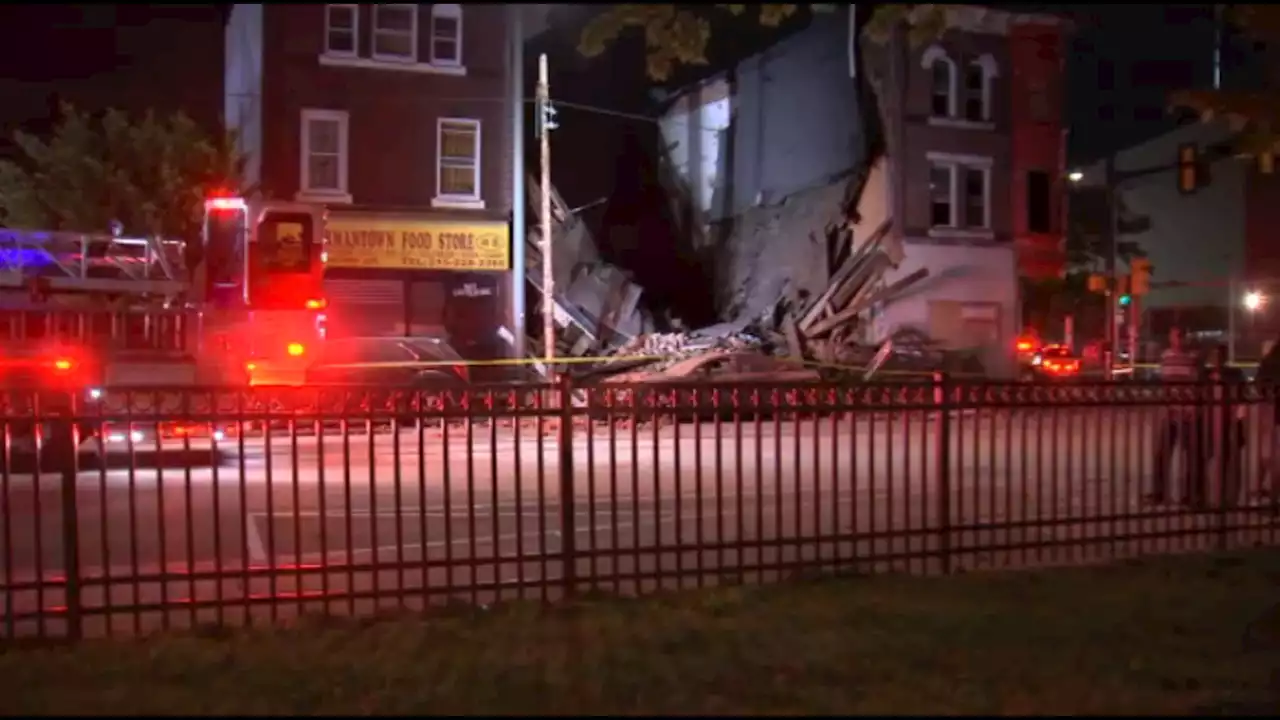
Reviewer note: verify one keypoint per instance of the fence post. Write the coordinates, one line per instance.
(65, 441)
(568, 529)
(1226, 455)
(942, 460)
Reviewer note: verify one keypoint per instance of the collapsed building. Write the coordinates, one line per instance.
(820, 249)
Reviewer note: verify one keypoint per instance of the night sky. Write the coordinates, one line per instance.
(1126, 59)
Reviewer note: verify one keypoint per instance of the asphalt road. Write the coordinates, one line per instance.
(428, 514)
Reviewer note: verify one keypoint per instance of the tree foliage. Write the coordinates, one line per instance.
(678, 34)
(1252, 115)
(151, 175)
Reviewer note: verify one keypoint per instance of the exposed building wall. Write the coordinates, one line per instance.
(783, 121)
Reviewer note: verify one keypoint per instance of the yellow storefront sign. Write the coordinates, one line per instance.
(417, 245)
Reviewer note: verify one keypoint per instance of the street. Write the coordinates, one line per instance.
(478, 515)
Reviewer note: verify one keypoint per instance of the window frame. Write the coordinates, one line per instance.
(451, 11)
(329, 29)
(342, 118)
(953, 212)
(413, 32)
(986, 197)
(443, 199)
(929, 61)
(961, 224)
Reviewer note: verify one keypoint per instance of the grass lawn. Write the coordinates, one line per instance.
(1188, 635)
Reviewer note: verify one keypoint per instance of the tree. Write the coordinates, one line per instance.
(1252, 115)
(678, 34)
(150, 175)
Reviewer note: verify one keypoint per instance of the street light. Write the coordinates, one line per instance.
(1253, 300)
(1075, 176)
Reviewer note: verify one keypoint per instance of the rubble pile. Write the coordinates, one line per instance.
(599, 313)
(597, 307)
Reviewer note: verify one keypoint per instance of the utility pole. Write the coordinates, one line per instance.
(546, 124)
(519, 202)
(1232, 294)
(1113, 220)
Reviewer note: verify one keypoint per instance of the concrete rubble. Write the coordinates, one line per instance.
(600, 311)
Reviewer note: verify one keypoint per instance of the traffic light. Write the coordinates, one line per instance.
(545, 117)
(1193, 171)
(1140, 272)
(1125, 300)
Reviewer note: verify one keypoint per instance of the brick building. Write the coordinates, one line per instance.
(396, 118)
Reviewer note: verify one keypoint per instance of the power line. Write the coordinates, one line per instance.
(597, 109)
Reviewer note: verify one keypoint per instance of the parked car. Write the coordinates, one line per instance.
(383, 374)
(703, 386)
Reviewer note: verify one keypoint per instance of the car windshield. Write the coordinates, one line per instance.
(1055, 352)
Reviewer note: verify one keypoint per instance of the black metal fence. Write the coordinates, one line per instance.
(229, 506)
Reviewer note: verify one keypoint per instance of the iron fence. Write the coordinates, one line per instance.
(226, 506)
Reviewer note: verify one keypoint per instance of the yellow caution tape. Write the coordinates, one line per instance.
(497, 362)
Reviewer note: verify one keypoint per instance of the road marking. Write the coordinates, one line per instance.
(253, 539)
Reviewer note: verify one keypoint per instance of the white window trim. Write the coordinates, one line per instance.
(305, 191)
(370, 64)
(955, 163)
(936, 54)
(461, 202)
(355, 32)
(989, 74)
(446, 10)
(414, 31)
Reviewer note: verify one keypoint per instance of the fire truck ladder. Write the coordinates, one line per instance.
(72, 262)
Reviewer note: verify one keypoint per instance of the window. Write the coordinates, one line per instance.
(942, 82)
(942, 209)
(446, 34)
(975, 93)
(1038, 214)
(324, 152)
(458, 176)
(975, 197)
(340, 26)
(960, 192)
(395, 32)
(941, 88)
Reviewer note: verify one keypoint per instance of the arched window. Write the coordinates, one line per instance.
(979, 79)
(942, 83)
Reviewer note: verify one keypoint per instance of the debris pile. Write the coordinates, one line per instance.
(597, 307)
(599, 312)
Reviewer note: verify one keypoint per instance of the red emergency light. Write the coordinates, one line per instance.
(225, 203)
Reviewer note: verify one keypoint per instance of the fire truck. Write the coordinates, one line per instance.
(85, 317)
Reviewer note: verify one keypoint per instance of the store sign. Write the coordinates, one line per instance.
(417, 245)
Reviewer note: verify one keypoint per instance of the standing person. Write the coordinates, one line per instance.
(1178, 424)
(1269, 380)
(1223, 424)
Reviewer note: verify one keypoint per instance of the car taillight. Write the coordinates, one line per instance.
(317, 304)
(295, 349)
(63, 365)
